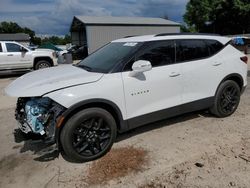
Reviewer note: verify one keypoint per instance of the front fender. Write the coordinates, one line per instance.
(110, 106)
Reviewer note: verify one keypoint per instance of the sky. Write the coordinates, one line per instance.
(54, 16)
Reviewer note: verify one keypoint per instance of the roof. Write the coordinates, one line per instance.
(14, 37)
(109, 20)
(147, 38)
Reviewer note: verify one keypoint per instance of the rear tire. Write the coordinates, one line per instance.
(42, 64)
(88, 135)
(227, 99)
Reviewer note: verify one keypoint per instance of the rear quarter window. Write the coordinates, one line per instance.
(1, 50)
(214, 46)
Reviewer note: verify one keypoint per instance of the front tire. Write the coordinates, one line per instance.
(42, 64)
(88, 135)
(227, 99)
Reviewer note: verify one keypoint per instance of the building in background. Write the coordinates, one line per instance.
(21, 38)
(94, 32)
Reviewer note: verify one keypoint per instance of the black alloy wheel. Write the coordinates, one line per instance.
(88, 135)
(91, 136)
(227, 99)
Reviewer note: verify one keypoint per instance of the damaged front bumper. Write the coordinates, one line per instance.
(38, 115)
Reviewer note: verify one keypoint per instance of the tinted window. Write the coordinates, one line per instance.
(214, 46)
(188, 50)
(1, 50)
(11, 47)
(159, 53)
(107, 57)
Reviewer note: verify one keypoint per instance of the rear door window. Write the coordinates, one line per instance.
(189, 50)
(1, 50)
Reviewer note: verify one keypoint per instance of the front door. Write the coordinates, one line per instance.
(15, 58)
(156, 90)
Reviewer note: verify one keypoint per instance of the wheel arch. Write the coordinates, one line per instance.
(40, 58)
(110, 106)
(235, 77)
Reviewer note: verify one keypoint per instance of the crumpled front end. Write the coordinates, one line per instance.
(38, 115)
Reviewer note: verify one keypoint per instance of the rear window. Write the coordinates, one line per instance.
(1, 50)
(214, 46)
(189, 50)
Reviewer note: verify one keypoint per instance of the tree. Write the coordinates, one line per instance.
(67, 39)
(57, 40)
(218, 16)
(12, 27)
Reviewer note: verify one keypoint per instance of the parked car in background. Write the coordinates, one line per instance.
(241, 43)
(16, 57)
(126, 84)
(57, 50)
(78, 52)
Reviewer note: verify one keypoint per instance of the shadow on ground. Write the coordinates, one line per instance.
(34, 143)
(47, 152)
(11, 76)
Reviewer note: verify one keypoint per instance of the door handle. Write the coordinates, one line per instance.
(216, 63)
(174, 74)
(10, 55)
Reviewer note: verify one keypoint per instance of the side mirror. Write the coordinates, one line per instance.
(22, 49)
(140, 66)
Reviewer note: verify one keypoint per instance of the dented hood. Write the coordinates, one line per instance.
(39, 82)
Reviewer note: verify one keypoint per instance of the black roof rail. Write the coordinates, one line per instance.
(171, 34)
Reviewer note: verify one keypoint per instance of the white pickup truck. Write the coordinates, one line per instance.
(16, 57)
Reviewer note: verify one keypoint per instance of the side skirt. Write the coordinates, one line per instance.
(170, 112)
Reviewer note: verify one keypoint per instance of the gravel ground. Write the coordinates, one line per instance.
(192, 150)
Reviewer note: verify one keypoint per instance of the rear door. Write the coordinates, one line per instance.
(156, 90)
(199, 67)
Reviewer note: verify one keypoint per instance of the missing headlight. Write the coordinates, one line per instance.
(38, 115)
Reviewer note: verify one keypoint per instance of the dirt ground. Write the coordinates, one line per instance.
(192, 150)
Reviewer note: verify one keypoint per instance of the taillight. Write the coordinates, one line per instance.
(244, 59)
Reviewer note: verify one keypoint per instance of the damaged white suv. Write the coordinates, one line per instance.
(128, 83)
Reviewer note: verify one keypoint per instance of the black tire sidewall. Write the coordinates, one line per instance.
(40, 62)
(73, 122)
(217, 108)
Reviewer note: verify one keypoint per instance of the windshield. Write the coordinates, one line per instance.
(107, 57)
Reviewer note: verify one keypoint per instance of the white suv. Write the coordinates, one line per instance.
(128, 83)
(16, 57)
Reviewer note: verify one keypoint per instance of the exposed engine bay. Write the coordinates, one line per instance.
(38, 115)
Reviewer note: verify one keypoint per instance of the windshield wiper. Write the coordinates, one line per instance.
(87, 68)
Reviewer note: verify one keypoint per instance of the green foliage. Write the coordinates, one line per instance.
(218, 16)
(37, 41)
(57, 40)
(10, 27)
(185, 29)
